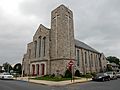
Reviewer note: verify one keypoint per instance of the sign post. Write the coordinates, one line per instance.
(71, 64)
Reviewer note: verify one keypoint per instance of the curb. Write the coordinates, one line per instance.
(57, 84)
(79, 82)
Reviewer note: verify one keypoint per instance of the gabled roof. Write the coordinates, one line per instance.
(84, 46)
(41, 27)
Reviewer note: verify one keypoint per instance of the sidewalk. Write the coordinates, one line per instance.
(53, 83)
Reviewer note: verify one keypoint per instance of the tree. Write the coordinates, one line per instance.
(7, 67)
(109, 68)
(18, 68)
(113, 59)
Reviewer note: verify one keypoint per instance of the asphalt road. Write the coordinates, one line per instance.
(20, 85)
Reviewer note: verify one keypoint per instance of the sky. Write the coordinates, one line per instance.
(96, 22)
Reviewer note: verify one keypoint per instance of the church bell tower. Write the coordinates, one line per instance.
(62, 46)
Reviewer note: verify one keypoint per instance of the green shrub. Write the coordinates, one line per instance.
(88, 75)
(68, 74)
(93, 74)
(61, 76)
(77, 73)
(53, 75)
(46, 75)
(82, 75)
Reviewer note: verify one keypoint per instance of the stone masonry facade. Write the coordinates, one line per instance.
(52, 50)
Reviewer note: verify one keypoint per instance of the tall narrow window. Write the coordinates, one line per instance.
(83, 65)
(91, 60)
(44, 40)
(39, 46)
(35, 48)
(75, 51)
(96, 61)
(29, 52)
(100, 63)
(78, 58)
(85, 58)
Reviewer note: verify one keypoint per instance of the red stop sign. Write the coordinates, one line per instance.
(71, 63)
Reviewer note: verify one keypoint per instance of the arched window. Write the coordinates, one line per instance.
(78, 58)
(96, 61)
(86, 58)
(29, 52)
(91, 60)
(44, 44)
(35, 47)
(39, 46)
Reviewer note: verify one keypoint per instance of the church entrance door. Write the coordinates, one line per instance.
(33, 69)
(43, 68)
(37, 68)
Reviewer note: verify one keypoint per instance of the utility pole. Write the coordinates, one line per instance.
(8, 68)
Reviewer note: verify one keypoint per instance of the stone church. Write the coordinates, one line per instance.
(54, 50)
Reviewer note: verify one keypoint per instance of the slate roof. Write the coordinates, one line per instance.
(84, 46)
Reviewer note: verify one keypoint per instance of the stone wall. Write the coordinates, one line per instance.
(59, 66)
(87, 63)
(62, 34)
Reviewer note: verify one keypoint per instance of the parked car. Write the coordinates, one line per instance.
(112, 75)
(6, 75)
(118, 74)
(101, 77)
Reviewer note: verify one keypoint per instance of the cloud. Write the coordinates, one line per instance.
(97, 22)
(99, 26)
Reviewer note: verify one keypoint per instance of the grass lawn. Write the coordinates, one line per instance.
(51, 78)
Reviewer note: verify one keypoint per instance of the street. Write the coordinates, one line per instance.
(21, 85)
